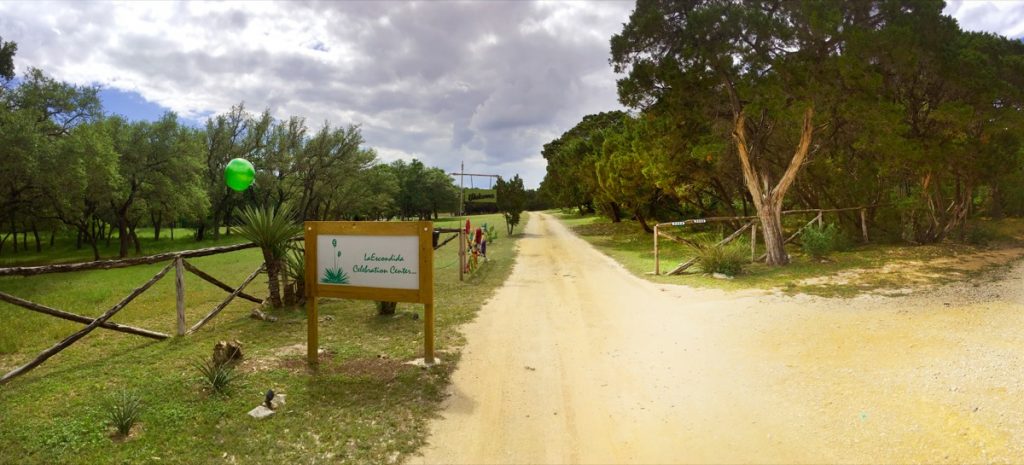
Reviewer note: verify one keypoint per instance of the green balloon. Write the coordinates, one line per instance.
(239, 174)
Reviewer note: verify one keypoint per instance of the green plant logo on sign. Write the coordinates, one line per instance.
(334, 275)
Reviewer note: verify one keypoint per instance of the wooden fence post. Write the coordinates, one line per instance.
(819, 218)
(753, 243)
(864, 223)
(657, 267)
(179, 286)
(462, 255)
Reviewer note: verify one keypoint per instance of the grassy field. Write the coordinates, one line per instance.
(364, 405)
(872, 265)
(63, 250)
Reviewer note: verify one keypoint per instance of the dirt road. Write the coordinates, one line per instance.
(575, 360)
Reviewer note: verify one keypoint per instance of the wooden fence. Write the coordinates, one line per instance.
(180, 266)
(750, 222)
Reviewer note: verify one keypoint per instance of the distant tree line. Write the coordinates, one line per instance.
(752, 107)
(66, 166)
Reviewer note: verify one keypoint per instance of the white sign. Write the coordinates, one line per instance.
(390, 262)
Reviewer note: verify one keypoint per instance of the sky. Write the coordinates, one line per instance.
(485, 83)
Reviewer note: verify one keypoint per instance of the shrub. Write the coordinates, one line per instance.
(124, 410)
(818, 242)
(728, 259)
(218, 376)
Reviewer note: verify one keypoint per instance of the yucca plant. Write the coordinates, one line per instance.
(725, 259)
(124, 410)
(270, 229)
(218, 376)
(295, 269)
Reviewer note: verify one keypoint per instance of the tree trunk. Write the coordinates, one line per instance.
(768, 201)
(386, 308)
(35, 233)
(14, 235)
(273, 285)
(156, 225)
(123, 238)
(643, 222)
(135, 239)
(995, 208)
(616, 212)
(53, 232)
(289, 290)
(771, 231)
(78, 240)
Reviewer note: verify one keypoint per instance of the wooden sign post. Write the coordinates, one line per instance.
(383, 261)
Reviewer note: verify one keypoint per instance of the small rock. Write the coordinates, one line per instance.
(720, 276)
(258, 314)
(260, 412)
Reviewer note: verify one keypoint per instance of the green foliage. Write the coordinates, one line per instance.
(511, 200)
(271, 229)
(334, 276)
(124, 410)
(217, 376)
(52, 415)
(819, 242)
(268, 227)
(726, 259)
(7, 51)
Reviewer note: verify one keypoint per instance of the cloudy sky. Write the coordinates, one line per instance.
(484, 82)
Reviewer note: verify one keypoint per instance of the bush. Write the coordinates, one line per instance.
(218, 376)
(728, 259)
(818, 242)
(124, 410)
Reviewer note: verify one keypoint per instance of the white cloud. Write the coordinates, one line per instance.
(484, 82)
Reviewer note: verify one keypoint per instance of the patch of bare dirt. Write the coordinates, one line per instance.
(293, 358)
(919, 273)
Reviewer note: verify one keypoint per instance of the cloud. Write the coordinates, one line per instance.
(487, 83)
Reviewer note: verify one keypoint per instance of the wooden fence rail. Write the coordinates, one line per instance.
(42, 357)
(752, 225)
(79, 318)
(178, 262)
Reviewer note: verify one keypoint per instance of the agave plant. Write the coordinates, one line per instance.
(123, 410)
(295, 270)
(270, 229)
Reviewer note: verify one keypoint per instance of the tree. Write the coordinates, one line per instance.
(271, 229)
(81, 177)
(7, 51)
(766, 64)
(159, 164)
(511, 200)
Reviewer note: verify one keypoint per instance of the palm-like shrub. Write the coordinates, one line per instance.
(218, 376)
(295, 270)
(123, 410)
(725, 259)
(270, 229)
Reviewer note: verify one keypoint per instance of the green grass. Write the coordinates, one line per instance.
(363, 406)
(64, 251)
(628, 244)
